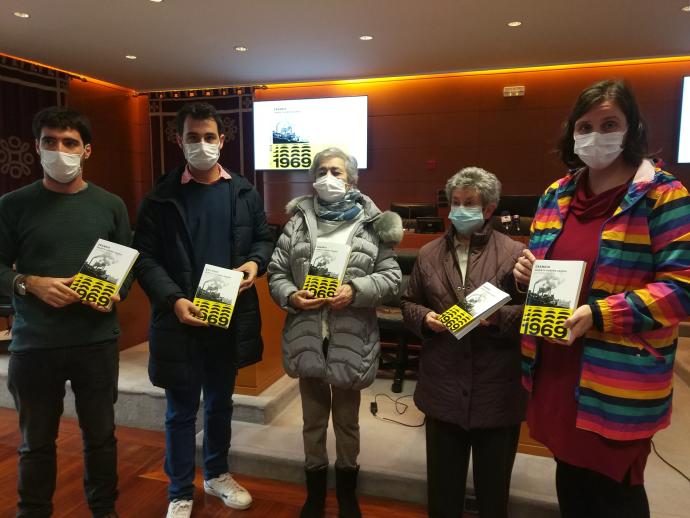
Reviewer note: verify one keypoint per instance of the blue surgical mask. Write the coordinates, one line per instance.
(466, 220)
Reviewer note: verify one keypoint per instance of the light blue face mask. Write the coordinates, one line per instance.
(466, 220)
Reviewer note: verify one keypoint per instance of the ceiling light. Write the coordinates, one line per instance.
(686, 9)
(156, 1)
(240, 48)
(366, 38)
(514, 24)
(131, 56)
(19, 14)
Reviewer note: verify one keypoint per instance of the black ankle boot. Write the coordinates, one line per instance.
(316, 493)
(345, 486)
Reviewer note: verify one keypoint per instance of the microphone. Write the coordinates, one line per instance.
(516, 223)
(505, 220)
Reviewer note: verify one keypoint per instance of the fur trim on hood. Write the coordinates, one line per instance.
(388, 225)
(291, 207)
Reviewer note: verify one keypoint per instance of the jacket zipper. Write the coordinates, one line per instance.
(312, 243)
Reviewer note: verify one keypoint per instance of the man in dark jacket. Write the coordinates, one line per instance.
(195, 215)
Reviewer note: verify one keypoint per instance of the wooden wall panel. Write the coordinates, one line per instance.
(121, 159)
(423, 129)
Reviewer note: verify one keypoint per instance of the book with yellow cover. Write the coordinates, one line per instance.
(217, 293)
(478, 305)
(327, 268)
(103, 272)
(552, 296)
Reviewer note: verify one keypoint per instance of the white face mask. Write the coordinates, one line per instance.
(202, 156)
(599, 150)
(329, 188)
(61, 167)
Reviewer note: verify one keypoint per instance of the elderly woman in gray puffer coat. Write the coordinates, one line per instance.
(332, 344)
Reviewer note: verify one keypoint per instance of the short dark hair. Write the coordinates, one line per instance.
(61, 117)
(619, 92)
(197, 111)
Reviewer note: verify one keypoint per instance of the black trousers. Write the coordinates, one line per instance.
(448, 448)
(37, 382)
(583, 493)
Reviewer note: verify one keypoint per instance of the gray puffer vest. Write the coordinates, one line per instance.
(353, 347)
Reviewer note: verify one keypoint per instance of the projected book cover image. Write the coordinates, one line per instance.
(288, 133)
(327, 268)
(103, 272)
(552, 296)
(217, 294)
(478, 305)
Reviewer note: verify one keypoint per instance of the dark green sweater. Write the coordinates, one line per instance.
(50, 235)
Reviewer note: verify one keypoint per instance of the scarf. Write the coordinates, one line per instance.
(344, 210)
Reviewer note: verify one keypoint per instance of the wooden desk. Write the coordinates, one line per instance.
(528, 445)
(413, 240)
(256, 378)
(134, 315)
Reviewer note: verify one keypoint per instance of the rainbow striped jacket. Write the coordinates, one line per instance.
(640, 291)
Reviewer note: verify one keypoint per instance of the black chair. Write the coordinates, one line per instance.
(409, 212)
(392, 328)
(6, 311)
(275, 230)
(522, 205)
(520, 229)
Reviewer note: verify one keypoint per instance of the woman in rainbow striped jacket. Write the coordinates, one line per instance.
(597, 400)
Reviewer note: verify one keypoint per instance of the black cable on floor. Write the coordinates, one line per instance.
(400, 408)
(669, 464)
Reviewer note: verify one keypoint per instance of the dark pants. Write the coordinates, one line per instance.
(448, 449)
(586, 493)
(37, 383)
(214, 373)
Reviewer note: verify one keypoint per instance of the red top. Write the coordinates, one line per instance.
(553, 406)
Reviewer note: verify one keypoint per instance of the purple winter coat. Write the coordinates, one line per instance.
(473, 382)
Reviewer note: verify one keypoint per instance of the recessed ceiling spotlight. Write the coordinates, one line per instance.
(514, 24)
(19, 14)
(156, 1)
(366, 37)
(686, 9)
(240, 48)
(131, 56)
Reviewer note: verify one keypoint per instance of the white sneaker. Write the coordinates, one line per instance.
(180, 509)
(227, 489)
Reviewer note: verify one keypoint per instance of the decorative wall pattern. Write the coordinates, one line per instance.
(25, 89)
(235, 108)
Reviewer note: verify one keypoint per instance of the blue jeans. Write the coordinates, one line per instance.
(36, 380)
(214, 373)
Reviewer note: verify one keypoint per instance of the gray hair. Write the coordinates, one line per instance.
(334, 152)
(484, 182)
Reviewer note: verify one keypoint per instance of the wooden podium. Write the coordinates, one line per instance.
(134, 314)
(254, 379)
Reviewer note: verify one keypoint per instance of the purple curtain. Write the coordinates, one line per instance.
(24, 90)
(235, 110)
